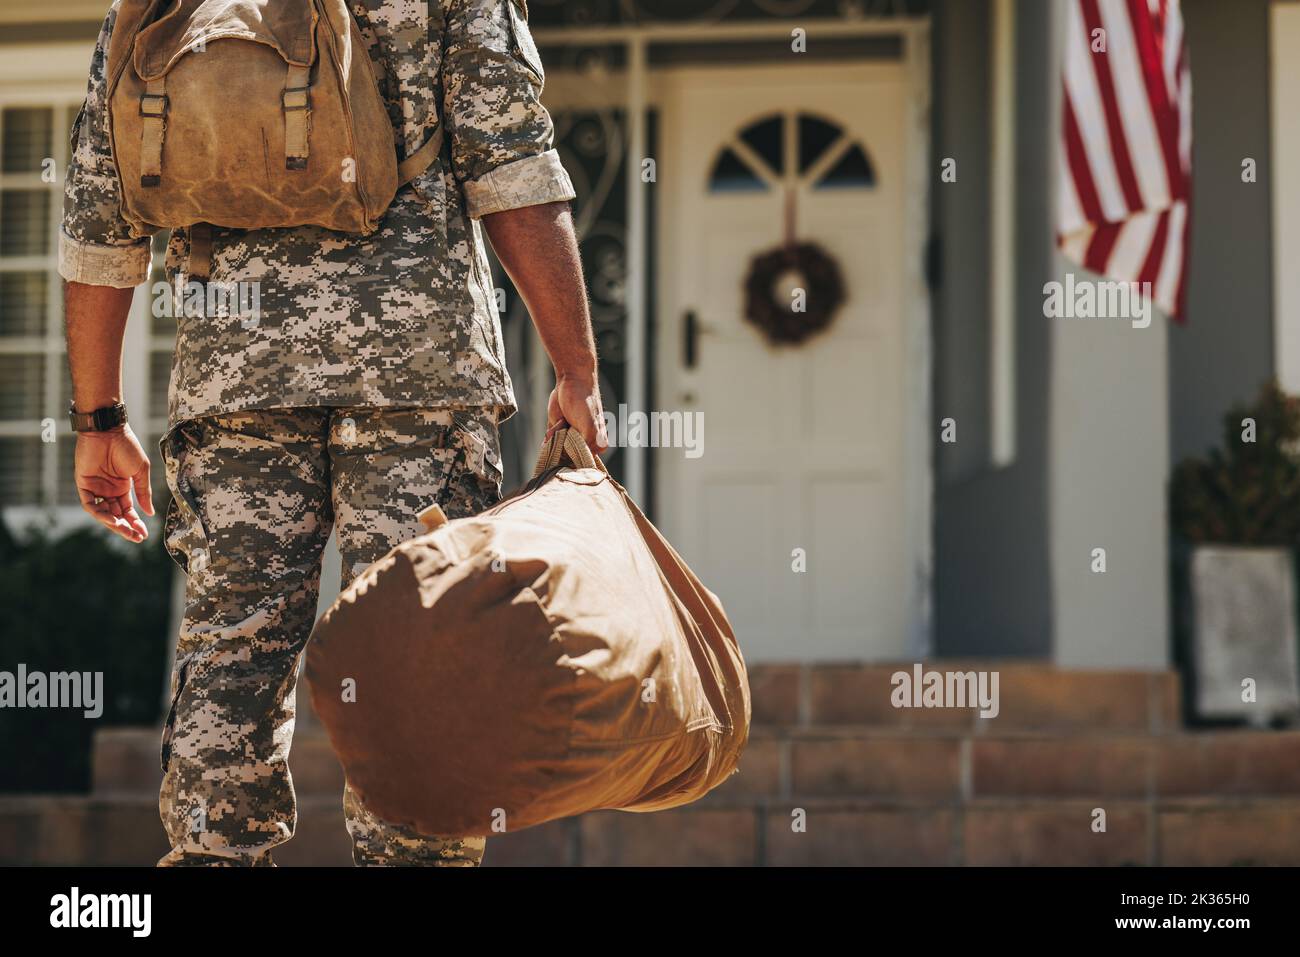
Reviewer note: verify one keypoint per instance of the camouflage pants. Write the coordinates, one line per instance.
(254, 498)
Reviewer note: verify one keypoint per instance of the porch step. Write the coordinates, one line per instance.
(870, 762)
(1031, 697)
(863, 832)
(868, 795)
(804, 702)
(954, 767)
(126, 761)
(873, 783)
(815, 832)
(124, 830)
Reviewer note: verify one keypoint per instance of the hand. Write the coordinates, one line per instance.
(107, 465)
(576, 400)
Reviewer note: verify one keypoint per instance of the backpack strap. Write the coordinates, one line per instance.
(153, 127)
(296, 101)
(200, 261)
(132, 17)
(419, 161)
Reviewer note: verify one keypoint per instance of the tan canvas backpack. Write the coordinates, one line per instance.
(250, 114)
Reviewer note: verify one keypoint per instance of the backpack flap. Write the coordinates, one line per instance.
(287, 27)
(188, 27)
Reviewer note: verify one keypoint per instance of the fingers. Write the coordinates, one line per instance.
(554, 417)
(581, 412)
(593, 433)
(585, 426)
(590, 423)
(114, 513)
(599, 437)
(136, 530)
(143, 491)
(98, 497)
(591, 436)
(110, 504)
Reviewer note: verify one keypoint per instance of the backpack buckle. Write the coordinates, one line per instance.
(163, 107)
(301, 93)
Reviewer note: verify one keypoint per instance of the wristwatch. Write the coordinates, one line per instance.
(100, 420)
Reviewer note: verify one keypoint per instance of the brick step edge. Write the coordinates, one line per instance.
(1030, 694)
(1239, 763)
(81, 830)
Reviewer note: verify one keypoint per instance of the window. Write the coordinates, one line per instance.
(792, 149)
(33, 371)
(36, 445)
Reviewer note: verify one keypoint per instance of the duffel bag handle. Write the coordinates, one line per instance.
(566, 443)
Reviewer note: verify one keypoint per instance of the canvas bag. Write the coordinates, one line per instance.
(548, 657)
(250, 114)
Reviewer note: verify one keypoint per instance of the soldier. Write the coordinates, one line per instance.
(368, 383)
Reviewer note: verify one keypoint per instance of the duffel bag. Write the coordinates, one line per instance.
(551, 656)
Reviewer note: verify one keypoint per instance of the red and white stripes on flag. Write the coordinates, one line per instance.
(1126, 160)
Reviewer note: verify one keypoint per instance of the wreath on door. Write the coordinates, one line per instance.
(794, 291)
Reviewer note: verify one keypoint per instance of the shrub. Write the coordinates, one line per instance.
(84, 601)
(1246, 493)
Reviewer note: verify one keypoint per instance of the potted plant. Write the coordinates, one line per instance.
(1236, 514)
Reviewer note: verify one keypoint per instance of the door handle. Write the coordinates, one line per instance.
(691, 336)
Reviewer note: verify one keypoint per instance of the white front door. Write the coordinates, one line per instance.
(806, 448)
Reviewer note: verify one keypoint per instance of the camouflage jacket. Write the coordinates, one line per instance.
(406, 316)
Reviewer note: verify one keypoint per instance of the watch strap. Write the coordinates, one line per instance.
(98, 420)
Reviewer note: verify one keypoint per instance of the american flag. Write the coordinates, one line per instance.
(1126, 158)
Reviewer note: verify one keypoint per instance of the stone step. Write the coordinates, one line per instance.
(1031, 697)
(124, 830)
(800, 702)
(878, 763)
(127, 761)
(954, 768)
(988, 832)
(862, 832)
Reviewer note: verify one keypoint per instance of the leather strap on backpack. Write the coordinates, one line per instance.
(419, 161)
(153, 127)
(200, 262)
(296, 100)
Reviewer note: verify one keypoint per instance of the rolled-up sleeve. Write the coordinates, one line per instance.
(502, 138)
(95, 244)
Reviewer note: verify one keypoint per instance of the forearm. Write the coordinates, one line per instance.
(538, 248)
(95, 322)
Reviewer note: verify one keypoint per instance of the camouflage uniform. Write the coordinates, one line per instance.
(335, 403)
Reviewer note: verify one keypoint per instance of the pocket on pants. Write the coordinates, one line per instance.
(183, 531)
(169, 726)
(475, 473)
(476, 436)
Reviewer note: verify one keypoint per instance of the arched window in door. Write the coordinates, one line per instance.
(788, 149)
